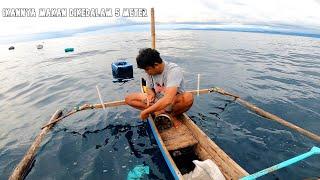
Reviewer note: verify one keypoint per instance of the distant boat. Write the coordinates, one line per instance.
(11, 48)
(39, 46)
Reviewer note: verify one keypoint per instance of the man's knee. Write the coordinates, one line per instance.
(188, 97)
(131, 98)
(128, 99)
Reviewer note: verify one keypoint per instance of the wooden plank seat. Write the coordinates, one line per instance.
(177, 138)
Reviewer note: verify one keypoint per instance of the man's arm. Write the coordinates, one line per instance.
(165, 101)
(150, 92)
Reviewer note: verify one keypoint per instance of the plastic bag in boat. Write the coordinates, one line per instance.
(204, 170)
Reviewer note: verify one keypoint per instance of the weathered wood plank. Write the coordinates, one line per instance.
(176, 138)
(230, 168)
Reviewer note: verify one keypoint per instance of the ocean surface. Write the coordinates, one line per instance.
(278, 73)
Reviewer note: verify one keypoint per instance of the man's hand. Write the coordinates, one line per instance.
(150, 96)
(144, 115)
(150, 99)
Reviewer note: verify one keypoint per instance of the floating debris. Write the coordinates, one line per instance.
(11, 48)
(138, 172)
(39, 46)
(68, 49)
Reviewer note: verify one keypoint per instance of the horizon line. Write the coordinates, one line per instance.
(281, 29)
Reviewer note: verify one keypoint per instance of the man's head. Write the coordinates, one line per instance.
(150, 60)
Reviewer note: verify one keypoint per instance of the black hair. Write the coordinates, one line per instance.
(148, 58)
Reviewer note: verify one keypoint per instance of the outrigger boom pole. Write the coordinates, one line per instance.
(313, 151)
(246, 104)
(262, 112)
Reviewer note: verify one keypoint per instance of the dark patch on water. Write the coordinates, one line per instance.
(141, 145)
(134, 151)
(215, 114)
(106, 141)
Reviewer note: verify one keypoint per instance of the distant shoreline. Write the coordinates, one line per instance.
(162, 26)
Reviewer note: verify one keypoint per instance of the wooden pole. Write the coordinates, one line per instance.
(22, 167)
(268, 115)
(246, 104)
(108, 104)
(100, 97)
(153, 29)
(273, 117)
(85, 107)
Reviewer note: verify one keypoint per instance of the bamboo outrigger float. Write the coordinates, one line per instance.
(188, 135)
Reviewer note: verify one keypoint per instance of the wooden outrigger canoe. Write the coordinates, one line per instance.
(173, 141)
(189, 137)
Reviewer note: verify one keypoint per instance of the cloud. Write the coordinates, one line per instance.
(273, 13)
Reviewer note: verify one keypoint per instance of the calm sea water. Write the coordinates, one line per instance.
(278, 73)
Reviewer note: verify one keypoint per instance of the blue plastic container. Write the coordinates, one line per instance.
(122, 70)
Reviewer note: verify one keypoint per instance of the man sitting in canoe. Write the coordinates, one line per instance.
(165, 87)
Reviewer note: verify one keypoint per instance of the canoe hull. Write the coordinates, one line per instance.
(173, 141)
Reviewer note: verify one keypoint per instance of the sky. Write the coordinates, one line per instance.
(293, 15)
